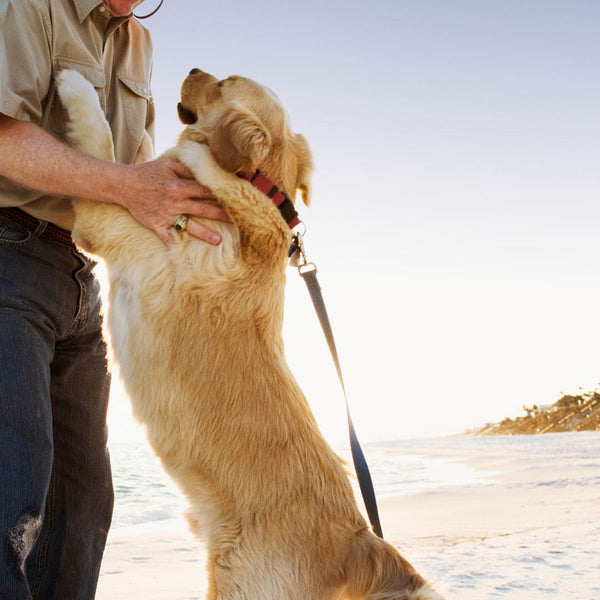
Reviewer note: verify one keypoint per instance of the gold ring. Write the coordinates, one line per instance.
(181, 222)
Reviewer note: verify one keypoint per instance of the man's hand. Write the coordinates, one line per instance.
(162, 190)
(155, 193)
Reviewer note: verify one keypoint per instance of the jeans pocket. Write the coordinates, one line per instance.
(13, 234)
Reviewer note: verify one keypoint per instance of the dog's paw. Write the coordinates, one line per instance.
(87, 128)
(75, 90)
(199, 159)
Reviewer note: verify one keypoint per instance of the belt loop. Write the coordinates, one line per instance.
(39, 230)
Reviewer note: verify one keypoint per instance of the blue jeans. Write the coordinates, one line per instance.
(56, 494)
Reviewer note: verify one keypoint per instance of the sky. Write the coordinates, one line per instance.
(455, 201)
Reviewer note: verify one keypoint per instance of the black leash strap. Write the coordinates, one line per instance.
(308, 272)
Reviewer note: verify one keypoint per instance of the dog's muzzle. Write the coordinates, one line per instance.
(186, 116)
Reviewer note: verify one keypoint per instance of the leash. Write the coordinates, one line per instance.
(308, 272)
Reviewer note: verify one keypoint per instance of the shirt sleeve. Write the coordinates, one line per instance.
(25, 59)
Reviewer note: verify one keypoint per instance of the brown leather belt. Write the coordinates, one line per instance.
(51, 231)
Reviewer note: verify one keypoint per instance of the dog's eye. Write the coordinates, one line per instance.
(220, 84)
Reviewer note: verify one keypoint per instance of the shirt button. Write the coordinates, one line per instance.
(102, 9)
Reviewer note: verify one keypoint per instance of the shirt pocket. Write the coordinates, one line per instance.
(135, 96)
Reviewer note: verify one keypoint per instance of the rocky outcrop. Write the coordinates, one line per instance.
(570, 413)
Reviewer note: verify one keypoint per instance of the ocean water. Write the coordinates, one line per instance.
(146, 496)
(144, 493)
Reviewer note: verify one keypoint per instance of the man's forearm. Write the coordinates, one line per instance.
(33, 158)
(155, 193)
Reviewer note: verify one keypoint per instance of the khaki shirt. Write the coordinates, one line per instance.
(38, 38)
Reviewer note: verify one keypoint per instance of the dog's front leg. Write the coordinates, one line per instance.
(264, 235)
(99, 228)
(87, 127)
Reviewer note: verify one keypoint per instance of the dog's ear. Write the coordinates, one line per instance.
(240, 141)
(305, 167)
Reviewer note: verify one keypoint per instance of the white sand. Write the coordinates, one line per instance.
(531, 531)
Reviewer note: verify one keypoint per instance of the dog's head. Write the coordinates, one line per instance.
(246, 128)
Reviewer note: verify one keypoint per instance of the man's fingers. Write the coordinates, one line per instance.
(166, 235)
(193, 189)
(205, 210)
(180, 169)
(200, 231)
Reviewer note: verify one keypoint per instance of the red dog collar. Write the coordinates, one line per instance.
(280, 200)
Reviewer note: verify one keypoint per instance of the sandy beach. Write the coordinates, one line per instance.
(527, 526)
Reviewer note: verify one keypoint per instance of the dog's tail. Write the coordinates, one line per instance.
(376, 571)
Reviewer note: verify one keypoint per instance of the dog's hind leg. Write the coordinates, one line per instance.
(376, 571)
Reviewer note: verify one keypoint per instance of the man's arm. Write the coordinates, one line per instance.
(155, 192)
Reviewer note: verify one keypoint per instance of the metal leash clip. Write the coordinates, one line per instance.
(297, 253)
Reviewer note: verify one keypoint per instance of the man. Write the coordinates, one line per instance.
(55, 483)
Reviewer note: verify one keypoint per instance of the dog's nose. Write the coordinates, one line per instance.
(194, 71)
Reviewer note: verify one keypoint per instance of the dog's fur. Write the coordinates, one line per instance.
(196, 330)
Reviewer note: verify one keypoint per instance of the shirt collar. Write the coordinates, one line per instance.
(85, 7)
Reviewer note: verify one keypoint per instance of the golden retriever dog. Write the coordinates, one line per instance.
(197, 332)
